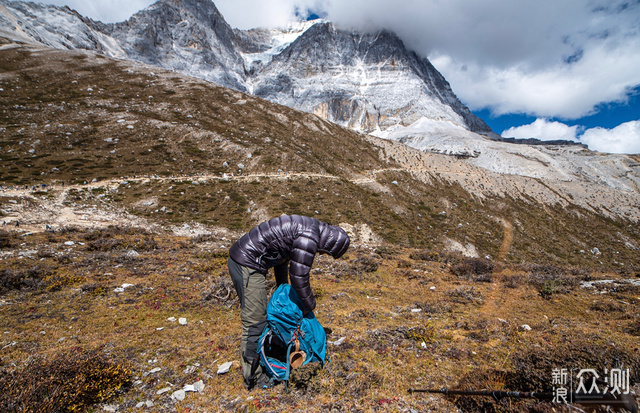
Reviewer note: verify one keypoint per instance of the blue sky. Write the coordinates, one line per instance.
(548, 69)
(607, 115)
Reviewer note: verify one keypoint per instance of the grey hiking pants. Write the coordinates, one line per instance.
(251, 287)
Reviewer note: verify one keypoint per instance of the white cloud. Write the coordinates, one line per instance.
(606, 72)
(544, 130)
(544, 58)
(624, 138)
(247, 14)
(106, 11)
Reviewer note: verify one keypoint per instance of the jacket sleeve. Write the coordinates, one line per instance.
(302, 255)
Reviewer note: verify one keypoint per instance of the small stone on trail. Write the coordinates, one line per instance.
(172, 319)
(163, 390)
(338, 341)
(178, 395)
(525, 327)
(198, 386)
(503, 321)
(183, 321)
(224, 367)
(122, 287)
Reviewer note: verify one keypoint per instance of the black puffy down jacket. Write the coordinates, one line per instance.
(290, 241)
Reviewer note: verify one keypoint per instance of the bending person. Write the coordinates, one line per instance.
(288, 244)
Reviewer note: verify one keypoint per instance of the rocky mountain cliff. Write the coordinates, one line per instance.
(188, 36)
(366, 82)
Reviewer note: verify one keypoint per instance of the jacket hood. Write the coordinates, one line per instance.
(333, 240)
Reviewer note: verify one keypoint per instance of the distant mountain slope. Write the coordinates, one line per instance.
(362, 81)
(119, 142)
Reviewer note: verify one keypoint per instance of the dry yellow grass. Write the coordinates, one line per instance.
(466, 332)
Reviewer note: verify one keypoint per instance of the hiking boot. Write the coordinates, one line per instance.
(261, 381)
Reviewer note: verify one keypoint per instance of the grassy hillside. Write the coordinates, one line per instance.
(145, 177)
(89, 117)
(112, 133)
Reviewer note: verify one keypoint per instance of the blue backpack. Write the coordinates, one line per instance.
(286, 327)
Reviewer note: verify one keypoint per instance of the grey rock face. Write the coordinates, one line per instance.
(58, 27)
(363, 81)
(188, 36)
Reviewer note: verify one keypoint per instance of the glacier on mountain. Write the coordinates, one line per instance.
(549, 162)
(268, 43)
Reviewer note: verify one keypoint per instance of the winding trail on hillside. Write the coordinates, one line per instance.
(507, 240)
(369, 177)
(58, 211)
